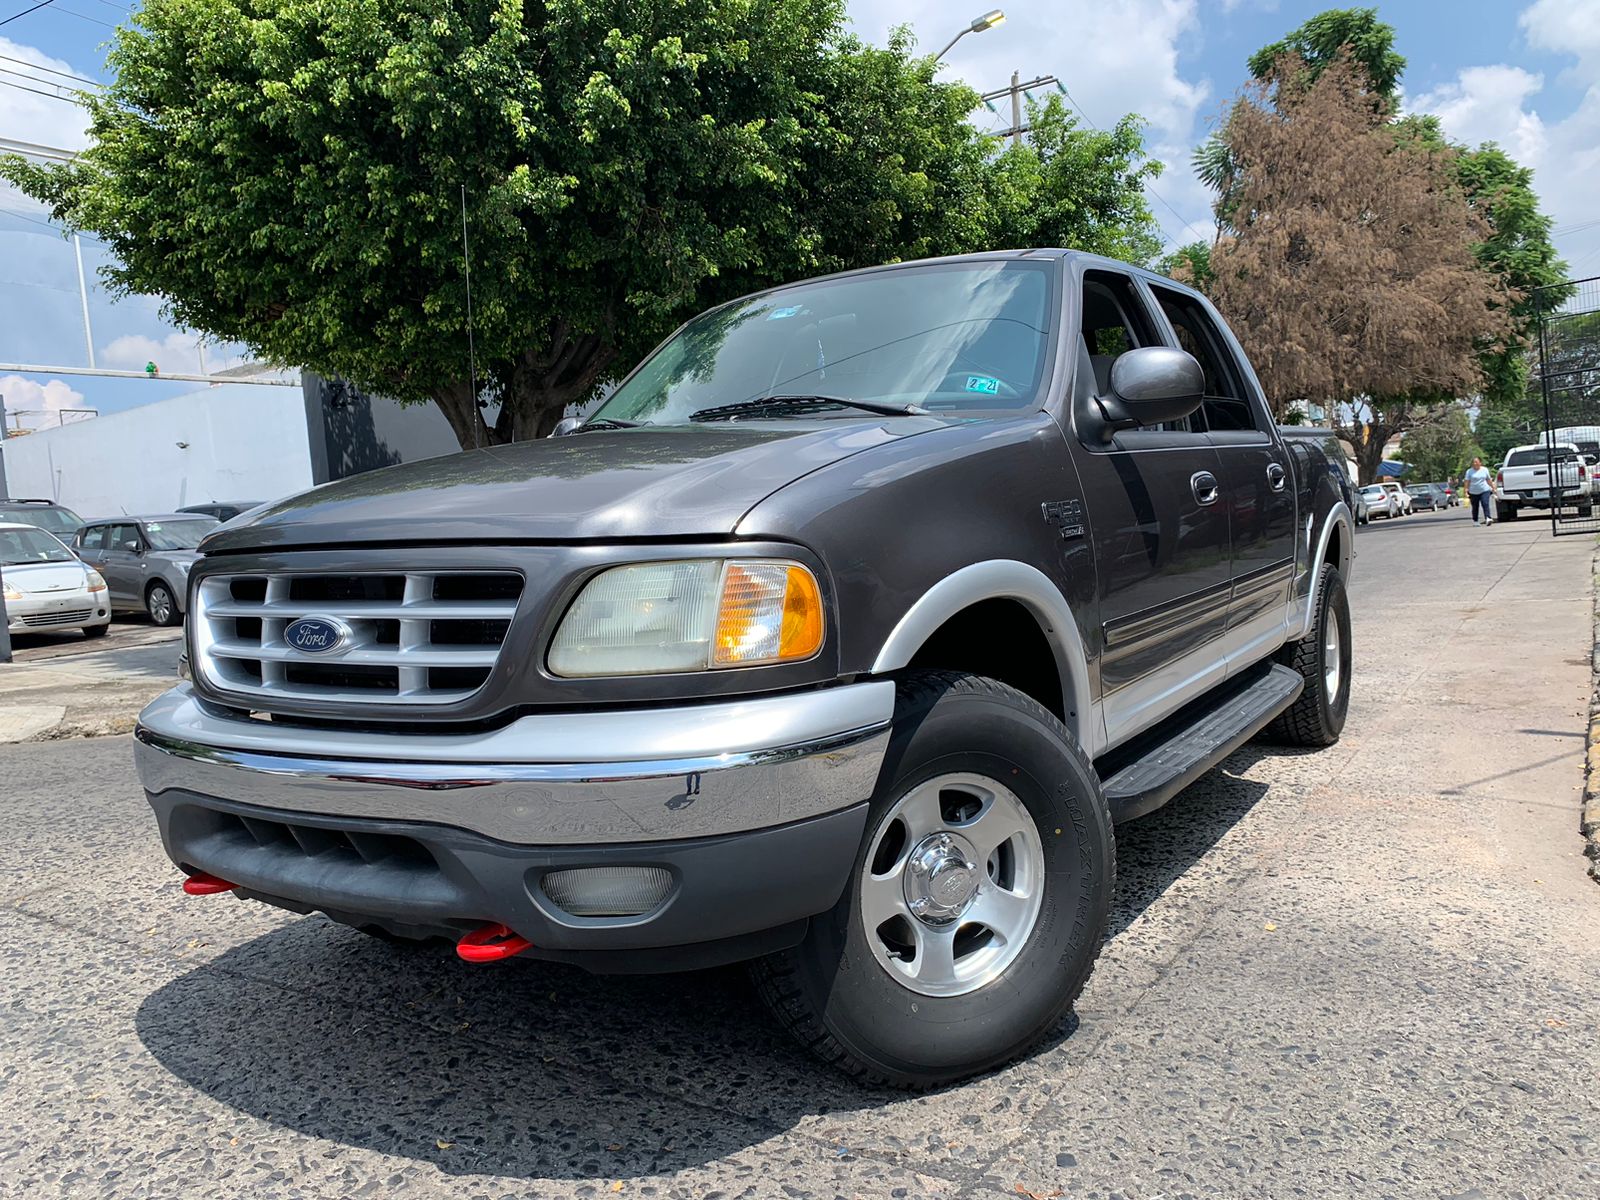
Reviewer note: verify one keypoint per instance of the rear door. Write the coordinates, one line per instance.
(1160, 529)
(123, 565)
(1257, 485)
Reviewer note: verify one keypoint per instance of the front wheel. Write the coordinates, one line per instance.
(1323, 661)
(976, 905)
(96, 631)
(160, 604)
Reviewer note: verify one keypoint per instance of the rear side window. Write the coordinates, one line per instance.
(1227, 406)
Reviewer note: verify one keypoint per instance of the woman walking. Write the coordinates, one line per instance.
(1480, 490)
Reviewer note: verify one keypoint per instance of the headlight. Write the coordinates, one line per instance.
(12, 593)
(183, 567)
(96, 581)
(692, 615)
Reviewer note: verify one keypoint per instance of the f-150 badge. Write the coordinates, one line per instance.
(1066, 516)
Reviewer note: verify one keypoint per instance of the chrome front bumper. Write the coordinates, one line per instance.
(564, 779)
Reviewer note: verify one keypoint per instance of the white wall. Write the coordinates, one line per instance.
(243, 442)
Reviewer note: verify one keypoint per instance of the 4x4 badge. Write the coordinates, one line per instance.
(1066, 516)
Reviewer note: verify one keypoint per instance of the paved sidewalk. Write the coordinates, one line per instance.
(85, 694)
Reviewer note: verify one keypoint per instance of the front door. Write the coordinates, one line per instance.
(1258, 487)
(1160, 526)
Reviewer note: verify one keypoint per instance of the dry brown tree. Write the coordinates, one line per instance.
(1347, 266)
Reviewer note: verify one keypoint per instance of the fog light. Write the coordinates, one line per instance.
(608, 891)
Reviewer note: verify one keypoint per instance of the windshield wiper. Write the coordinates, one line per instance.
(779, 404)
(607, 423)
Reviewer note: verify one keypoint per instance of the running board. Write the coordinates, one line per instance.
(1197, 741)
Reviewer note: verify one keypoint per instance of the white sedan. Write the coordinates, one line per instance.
(1402, 498)
(47, 587)
(1380, 502)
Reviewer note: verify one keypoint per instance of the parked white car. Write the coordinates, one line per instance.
(1380, 502)
(1402, 498)
(1524, 480)
(47, 587)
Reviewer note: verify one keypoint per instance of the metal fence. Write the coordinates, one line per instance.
(1566, 382)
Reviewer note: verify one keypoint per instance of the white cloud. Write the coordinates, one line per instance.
(1486, 104)
(31, 405)
(1565, 27)
(175, 354)
(28, 117)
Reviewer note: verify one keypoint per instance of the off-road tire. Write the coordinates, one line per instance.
(1316, 719)
(838, 1000)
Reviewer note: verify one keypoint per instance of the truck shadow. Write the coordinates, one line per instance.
(533, 1070)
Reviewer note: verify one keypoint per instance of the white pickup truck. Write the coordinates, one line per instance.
(1524, 480)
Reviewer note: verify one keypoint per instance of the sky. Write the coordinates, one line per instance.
(1524, 73)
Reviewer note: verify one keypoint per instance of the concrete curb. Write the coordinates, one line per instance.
(1589, 817)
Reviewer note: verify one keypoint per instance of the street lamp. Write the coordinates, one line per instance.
(988, 21)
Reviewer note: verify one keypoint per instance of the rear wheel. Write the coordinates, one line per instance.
(161, 605)
(1323, 660)
(1505, 512)
(977, 902)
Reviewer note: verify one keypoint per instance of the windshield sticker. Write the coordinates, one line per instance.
(986, 384)
(779, 314)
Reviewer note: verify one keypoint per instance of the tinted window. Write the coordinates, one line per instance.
(1539, 457)
(178, 535)
(30, 546)
(1227, 405)
(52, 518)
(123, 537)
(969, 336)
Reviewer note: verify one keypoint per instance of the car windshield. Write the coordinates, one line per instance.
(1373, 493)
(19, 546)
(178, 535)
(52, 518)
(952, 337)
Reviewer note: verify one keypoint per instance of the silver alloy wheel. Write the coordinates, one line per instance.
(160, 605)
(1332, 669)
(953, 884)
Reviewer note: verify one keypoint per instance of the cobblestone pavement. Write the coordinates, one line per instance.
(1364, 972)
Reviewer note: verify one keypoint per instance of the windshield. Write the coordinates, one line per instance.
(62, 522)
(945, 338)
(1540, 457)
(178, 535)
(1373, 493)
(31, 546)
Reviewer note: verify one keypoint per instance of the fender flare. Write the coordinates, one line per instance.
(1005, 579)
(1338, 518)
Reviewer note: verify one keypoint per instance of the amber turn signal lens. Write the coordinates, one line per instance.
(769, 612)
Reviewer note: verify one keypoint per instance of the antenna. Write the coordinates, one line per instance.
(472, 357)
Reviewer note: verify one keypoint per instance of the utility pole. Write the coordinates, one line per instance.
(1015, 92)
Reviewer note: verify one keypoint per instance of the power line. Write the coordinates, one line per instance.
(35, 79)
(83, 16)
(52, 71)
(26, 11)
(37, 92)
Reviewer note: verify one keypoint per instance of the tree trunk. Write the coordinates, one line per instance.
(1369, 449)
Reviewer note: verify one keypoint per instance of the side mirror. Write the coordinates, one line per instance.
(1153, 385)
(565, 426)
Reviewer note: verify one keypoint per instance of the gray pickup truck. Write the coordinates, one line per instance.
(837, 640)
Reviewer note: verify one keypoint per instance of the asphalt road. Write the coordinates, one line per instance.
(1366, 972)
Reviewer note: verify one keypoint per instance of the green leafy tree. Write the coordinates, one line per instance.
(289, 174)
(1499, 429)
(1439, 449)
(1189, 264)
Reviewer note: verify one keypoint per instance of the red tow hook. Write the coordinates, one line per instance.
(201, 884)
(490, 943)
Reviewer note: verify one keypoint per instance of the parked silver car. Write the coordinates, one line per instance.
(46, 588)
(146, 560)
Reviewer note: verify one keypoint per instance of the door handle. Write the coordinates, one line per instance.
(1204, 486)
(1276, 476)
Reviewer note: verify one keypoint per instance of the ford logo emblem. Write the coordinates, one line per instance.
(316, 635)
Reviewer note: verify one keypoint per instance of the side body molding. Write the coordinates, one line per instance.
(1006, 579)
(1338, 518)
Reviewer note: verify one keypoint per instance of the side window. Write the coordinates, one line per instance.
(1115, 321)
(1227, 406)
(124, 537)
(93, 537)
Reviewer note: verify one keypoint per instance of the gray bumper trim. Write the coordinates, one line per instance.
(185, 745)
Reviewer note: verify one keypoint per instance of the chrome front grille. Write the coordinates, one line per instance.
(403, 637)
(38, 620)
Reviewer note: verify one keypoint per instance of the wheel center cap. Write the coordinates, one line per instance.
(941, 878)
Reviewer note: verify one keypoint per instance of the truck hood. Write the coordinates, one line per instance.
(668, 481)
